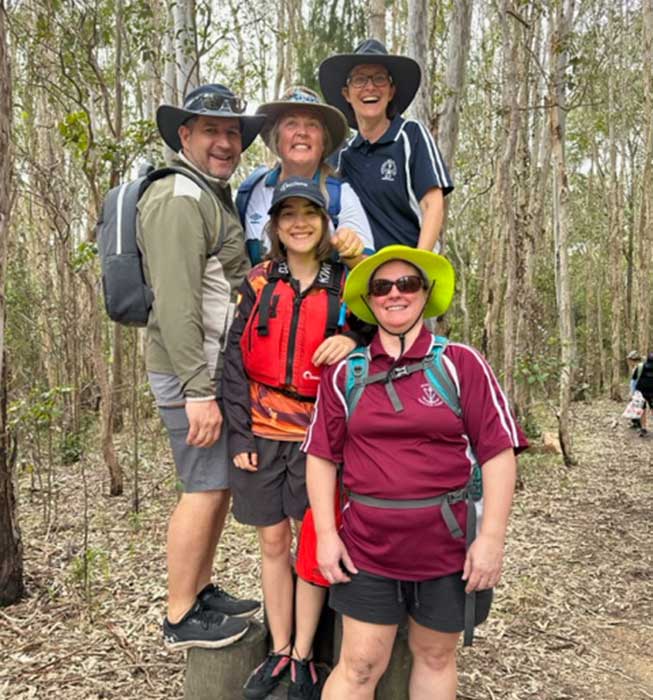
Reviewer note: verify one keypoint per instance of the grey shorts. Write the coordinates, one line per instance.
(276, 491)
(437, 604)
(198, 468)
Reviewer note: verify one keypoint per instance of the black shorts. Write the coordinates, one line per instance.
(648, 398)
(276, 491)
(438, 604)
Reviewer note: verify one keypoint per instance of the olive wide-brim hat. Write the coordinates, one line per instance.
(297, 98)
(334, 70)
(435, 269)
(212, 100)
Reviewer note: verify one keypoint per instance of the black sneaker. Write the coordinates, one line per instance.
(305, 683)
(214, 598)
(643, 432)
(266, 677)
(201, 627)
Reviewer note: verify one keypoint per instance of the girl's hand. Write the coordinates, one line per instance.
(348, 243)
(247, 461)
(332, 350)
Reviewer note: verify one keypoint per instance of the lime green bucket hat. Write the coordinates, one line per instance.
(435, 268)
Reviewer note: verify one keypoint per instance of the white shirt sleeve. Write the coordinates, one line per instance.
(256, 215)
(353, 216)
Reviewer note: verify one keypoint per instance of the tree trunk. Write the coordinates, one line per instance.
(448, 113)
(376, 20)
(645, 223)
(11, 551)
(563, 12)
(418, 49)
(185, 48)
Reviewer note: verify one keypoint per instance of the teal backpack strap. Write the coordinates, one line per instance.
(439, 377)
(356, 374)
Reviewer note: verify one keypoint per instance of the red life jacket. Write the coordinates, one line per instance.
(286, 327)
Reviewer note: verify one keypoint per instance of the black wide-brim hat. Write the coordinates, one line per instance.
(212, 100)
(406, 76)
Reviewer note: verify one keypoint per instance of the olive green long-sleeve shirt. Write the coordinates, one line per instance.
(194, 287)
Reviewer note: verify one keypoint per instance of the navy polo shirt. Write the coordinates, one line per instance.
(391, 176)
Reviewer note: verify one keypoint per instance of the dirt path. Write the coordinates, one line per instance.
(572, 618)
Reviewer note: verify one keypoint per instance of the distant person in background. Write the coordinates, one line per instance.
(644, 384)
(302, 131)
(633, 359)
(392, 163)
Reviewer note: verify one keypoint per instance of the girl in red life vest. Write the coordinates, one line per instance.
(288, 325)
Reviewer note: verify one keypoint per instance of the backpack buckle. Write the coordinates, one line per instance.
(399, 372)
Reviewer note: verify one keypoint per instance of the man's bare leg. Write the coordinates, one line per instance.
(191, 542)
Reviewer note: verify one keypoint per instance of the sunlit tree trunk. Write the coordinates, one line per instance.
(418, 49)
(11, 552)
(185, 47)
(645, 223)
(376, 20)
(562, 14)
(448, 113)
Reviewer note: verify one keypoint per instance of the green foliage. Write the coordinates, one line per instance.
(336, 26)
(74, 129)
(91, 565)
(83, 255)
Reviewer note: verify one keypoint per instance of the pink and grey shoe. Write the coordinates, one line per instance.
(266, 677)
(305, 682)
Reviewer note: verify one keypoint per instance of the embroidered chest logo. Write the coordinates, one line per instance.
(389, 170)
(429, 396)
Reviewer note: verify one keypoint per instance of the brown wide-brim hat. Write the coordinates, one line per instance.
(302, 98)
(212, 100)
(406, 76)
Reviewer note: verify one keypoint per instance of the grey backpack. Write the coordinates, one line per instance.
(127, 296)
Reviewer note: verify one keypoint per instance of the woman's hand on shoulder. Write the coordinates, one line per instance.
(332, 350)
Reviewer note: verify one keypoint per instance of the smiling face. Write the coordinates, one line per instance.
(397, 311)
(369, 101)
(212, 144)
(301, 226)
(300, 139)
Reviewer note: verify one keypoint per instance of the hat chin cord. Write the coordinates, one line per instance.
(401, 334)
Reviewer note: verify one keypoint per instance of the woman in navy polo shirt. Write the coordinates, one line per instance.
(409, 447)
(393, 164)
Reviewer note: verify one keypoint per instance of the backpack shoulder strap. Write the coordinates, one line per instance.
(333, 287)
(439, 377)
(262, 327)
(244, 193)
(334, 188)
(202, 184)
(355, 376)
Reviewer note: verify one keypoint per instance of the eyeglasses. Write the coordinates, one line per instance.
(360, 80)
(409, 284)
(210, 101)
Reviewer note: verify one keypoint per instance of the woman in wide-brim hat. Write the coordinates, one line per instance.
(393, 164)
(303, 132)
(410, 420)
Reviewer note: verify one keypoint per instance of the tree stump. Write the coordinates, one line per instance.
(219, 674)
(394, 682)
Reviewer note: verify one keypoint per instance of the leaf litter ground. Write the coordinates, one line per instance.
(572, 617)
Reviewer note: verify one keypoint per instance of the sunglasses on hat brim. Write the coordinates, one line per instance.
(212, 102)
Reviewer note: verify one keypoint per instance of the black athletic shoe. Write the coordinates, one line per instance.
(214, 598)
(643, 432)
(266, 677)
(201, 627)
(305, 683)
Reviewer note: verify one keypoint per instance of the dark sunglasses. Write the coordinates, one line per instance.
(212, 102)
(409, 284)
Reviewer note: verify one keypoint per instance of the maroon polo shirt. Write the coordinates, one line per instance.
(422, 451)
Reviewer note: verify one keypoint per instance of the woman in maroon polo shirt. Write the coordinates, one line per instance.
(408, 452)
